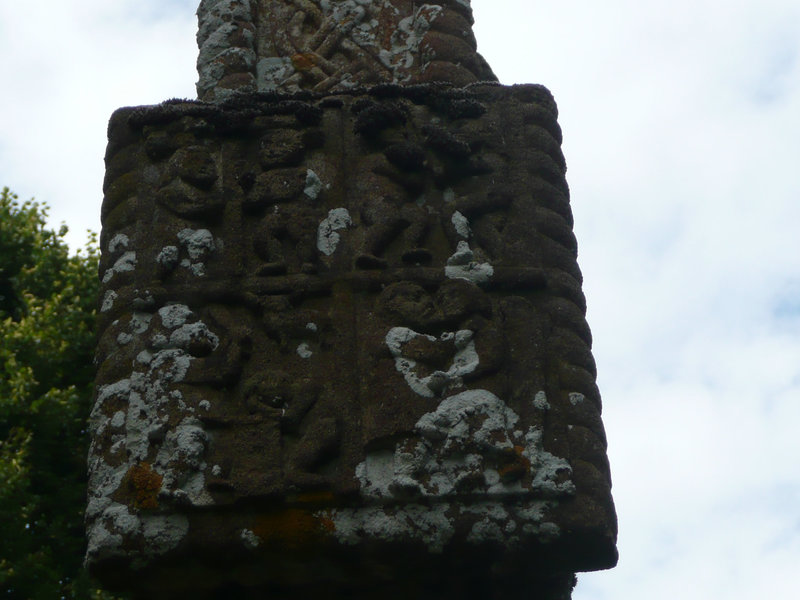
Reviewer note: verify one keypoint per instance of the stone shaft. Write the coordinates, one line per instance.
(327, 45)
(343, 348)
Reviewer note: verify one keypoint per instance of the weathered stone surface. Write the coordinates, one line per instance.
(333, 45)
(343, 351)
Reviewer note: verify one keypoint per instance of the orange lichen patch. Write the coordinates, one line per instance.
(517, 467)
(304, 61)
(291, 528)
(326, 522)
(144, 484)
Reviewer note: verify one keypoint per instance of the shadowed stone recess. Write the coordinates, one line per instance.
(333, 45)
(342, 347)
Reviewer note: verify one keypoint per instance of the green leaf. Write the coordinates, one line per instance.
(47, 314)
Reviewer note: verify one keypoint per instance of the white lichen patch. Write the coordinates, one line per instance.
(124, 338)
(576, 398)
(469, 444)
(197, 269)
(552, 475)
(465, 360)
(462, 265)
(304, 350)
(144, 420)
(118, 420)
(452, 423)
(198, 244)
(180, 459)
(345, 10)
(328, 231)
(507, 523)
(250, 539)
(540, 401)
(488, 530)
(461, 446)
(108, 300)
(363, 34)
(125, 263)
(106, 535)
(190, 334)
(174, 315)
(406, 42)
(137, 324)
(118, 241)
(162, 533)
(168, 257)
(313, 185)
(216, 19)
(472, 444)
(428, 524)
(144, 357)
(435, 525)
(154, 534)
(273, 71)
(461, 225)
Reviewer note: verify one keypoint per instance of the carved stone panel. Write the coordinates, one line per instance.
(325, 45)
(347, 327)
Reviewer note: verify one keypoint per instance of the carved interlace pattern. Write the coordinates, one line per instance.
(344, 43)
(325, 45)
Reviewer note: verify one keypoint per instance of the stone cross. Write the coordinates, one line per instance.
(326, 45)
(342, 347)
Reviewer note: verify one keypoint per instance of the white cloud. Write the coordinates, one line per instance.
(73, 64)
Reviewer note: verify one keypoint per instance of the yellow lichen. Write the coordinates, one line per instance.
(144, 484)
(515, 468)
(303, 61)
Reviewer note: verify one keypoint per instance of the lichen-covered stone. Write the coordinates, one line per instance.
(333, 45)
(343, 347)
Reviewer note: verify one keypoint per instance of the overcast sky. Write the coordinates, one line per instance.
(681, 128)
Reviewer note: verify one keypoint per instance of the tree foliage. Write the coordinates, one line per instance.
(47, 312)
